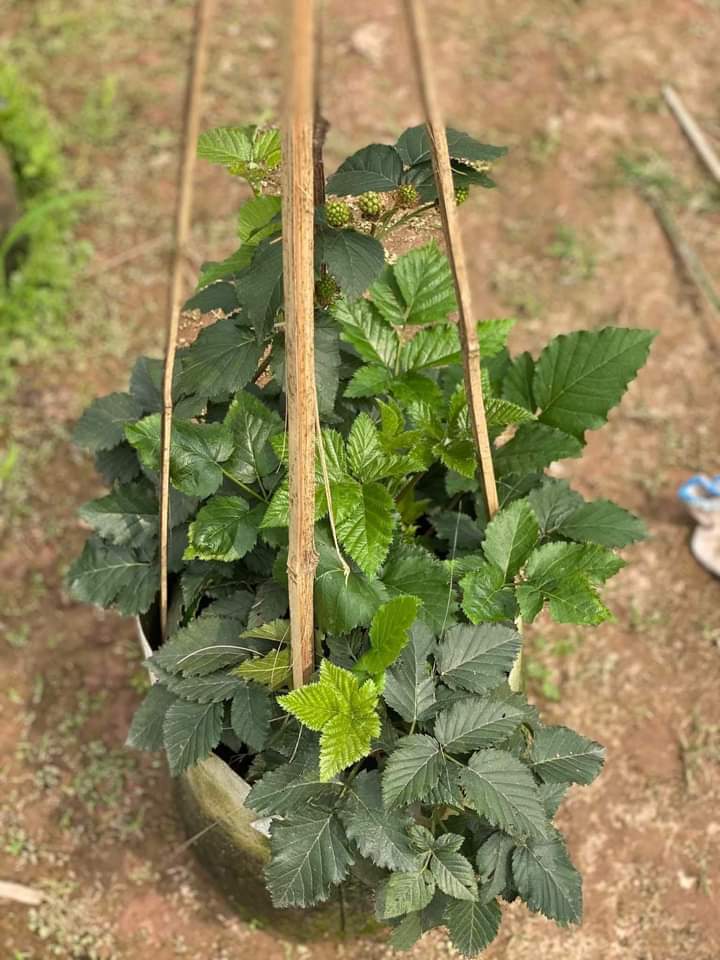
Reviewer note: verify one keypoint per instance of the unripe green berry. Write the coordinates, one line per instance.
(327, 290)
(461, 195)
(337, 213)
(370, 204)
(407, 196)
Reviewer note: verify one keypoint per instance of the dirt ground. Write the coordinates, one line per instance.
(566, 242)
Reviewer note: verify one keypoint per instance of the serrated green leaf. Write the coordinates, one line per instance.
(377, 167)
(472, 926)
(503, 413)
(272, 670)
(128, 516)
(369, 381)
(258, 219)
(560, 755)
(494, 863)
(487, 596)
(580, 376)
(452, 871)
(404, 893)
(191, 732)
(409, 687)
(208, 689)
(365, 456)
(476, 723)
(501, 788)
(603, 522)
(250, 424)
(412, 770)
(219, 295)
(247, 151)
(510, 537)
(354, 259)
(342, 602)
(518, 381)
(553, 503)
(109, 575)
(477, 658)
(389, 632)
(261, 289)
(196, 452)
(290, 788)
(204, 646)
(435, 346)
(547, 881)
(380, 835)
(250, 715)
(575, 600)
(365, 526)
(418, 289)
(414, 146)
(493, 335)
(225, 528)
(310, 855)
(411, 570)
(119, 465)
(552, 795)
(223, 359)
(534, 447)
(146, 729)
(102, 425)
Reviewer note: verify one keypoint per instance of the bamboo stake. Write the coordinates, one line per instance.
(417, 21)
(183, 211)
(693, 132)
(298, 281)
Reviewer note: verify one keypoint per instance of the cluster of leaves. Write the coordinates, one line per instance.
(408, 760)
(38, 261)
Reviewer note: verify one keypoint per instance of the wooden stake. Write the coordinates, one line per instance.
(299, 287)
(415, 10)
(693, 132)
(183, 211)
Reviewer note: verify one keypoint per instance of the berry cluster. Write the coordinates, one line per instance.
(337, 213)
(371, 204)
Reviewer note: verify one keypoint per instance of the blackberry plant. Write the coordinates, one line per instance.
(410, 759)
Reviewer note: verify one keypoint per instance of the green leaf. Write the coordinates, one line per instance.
(365, 456)
(251, 714)
(272, 670)
(411, 570)
(409, 687)
(207, 644)
(250, 424)
(128, 516)
(501, 788)
(191, 732)
(510, 537)
(109, 575)
(119, 465)
(289, 789)
(435, 346)
(418, 289)
(494, 863)
(389, 633)
(225, 528)
(261, 290)
(196, 452)
(370, 380)
(534, 447)
(472, 926)
(547, 881)
(258, 219)
(223, 359)
(557, 561)
(562, 573)
(477, 658)
(486, 595)
(453, 873)
(377, 167)
(493, 335)
(102, 425)
(218, 295)
(343, 709)
(354, 259)
(365, 526)
(327, 367)
(310, 855)
(560, 755)
(244, 151)
(363, 326)
(552, 795)
(575, 600)
(412, 770)
(146, 729)
(404, 893)
(414, 147)
(580, 376)
(603, 522)
(342, 602)
(476, 723)
(503, 413)
(518, 381)
(381, 836)
(553, 503)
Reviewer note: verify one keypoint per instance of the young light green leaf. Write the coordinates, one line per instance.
(225, 528)
(191, 732)
(435, 346)
(381, 836)
(247, 151)
(501, 789)
(389, 632)
(272, 670)
(146, 729)
(580, 376)
(510, 537)
(310, 855)
(477, 658)
(547, 881)
(560, 755)
(493, 335)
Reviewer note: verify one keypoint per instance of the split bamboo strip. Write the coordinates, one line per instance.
(299, 283)
(693, 132)
(417, 21)
(183, 211)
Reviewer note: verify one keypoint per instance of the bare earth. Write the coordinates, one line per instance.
(570, 87)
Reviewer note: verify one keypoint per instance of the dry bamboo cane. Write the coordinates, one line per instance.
(183, 211)
(299, 288)
(417, 22)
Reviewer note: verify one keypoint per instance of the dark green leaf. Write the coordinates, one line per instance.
(222, 360)
(102, 425)
(412, 770)
(291, 788)
(342, 603)
(476, 723)
(603, 522)
(547, 880)
(486, 594)
(409, 687)
(380, 835)
(453, 873)
(225, 528)
(510, 537)
(553, 503)
(414, 147)
(220, 295)
(411, 570)
(560, 755)
(250, 424)
(109, 575)
(404, 893)
(191, 732)
(477, 658)
(534, 446)
(377, 167)
(494, 863)
(501, 788)
(209, 689)
(354, 259)
(119, 465)
(146, 729)
(418, 289)
(204, 646)
(128, 516)
(251, 714)
(472, 925)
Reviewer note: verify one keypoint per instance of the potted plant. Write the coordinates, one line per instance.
(412, 766)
